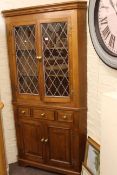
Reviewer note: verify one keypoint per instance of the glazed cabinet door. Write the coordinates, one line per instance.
(31, 136)
(24, 64)
(56, 56)
(59, 145)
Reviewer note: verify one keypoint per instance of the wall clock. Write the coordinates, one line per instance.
(103, 29)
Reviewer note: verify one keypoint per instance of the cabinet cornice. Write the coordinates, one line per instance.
(45, 8)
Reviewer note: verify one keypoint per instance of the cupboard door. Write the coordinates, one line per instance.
(59, 146)
(56, 51)
(25, 57)
(55, 58)
(32, 137)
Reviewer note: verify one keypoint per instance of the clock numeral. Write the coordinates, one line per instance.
(106, 32)
(104, 21)
(112, 41)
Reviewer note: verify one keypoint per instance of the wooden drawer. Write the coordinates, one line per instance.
(66, 116)
(24, 111)
(43, 114)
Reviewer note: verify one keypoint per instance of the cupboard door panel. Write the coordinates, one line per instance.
(32, 137)
(24, 62)
(27, 73)
(59, 146)
(55, 58)
(56, 50)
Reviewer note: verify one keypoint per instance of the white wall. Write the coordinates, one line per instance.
(108, 135)
(100, 79)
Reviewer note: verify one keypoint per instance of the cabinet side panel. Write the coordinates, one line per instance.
(82, 57)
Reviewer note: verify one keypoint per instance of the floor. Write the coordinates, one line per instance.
(14, 169)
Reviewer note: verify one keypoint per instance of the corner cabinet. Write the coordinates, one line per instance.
(48, 70)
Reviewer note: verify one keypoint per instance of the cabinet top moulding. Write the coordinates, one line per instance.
(45, 8)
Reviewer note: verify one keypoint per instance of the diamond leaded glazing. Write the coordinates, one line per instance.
(26, 59)
(55, 58)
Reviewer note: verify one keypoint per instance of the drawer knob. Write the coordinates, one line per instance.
(65, 117)
(23, 112)
(46, 140)
(42, 140)
(43, 114)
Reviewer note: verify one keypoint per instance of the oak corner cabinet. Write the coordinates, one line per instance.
(48, 70)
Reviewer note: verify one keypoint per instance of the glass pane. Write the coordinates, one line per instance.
(55, 58)
(26, 59)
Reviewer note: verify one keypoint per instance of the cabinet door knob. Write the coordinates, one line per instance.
(43, 114)
(42, 140)
(23, 112)
(39, 58)
(64, 116)
(46, 140)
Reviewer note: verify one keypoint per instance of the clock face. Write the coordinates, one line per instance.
(106, 25)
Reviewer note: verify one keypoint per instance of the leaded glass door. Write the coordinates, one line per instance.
(55, 43)
(26, 60)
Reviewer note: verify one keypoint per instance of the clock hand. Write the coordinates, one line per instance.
(111, 2)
